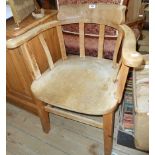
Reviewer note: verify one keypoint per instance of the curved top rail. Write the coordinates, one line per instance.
(93, 13)
(19, 40)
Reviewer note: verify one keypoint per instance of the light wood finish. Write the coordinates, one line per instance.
(18, 75)
(58, 87)
(31, 61)
(77, 117)
(108, 125)
(122, 76)
(130, 57)
(61, 42)
(101, 41)
(81, 40)
(44, 115)
(98, 14)
(30, 34)
(117, 47)
(47, 52)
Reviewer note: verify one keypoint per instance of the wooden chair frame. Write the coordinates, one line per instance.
(129, 58)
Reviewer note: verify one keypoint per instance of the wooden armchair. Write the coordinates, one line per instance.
(82, 84)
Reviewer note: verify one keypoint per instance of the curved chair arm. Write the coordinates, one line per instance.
(19, 40)
(130, 56)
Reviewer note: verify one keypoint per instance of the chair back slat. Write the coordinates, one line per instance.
(61, 42)
(81, 39)
(46, 50)
(117, 46)
(31, 61)
(101, 41)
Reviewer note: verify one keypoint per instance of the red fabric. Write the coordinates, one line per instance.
(89, 29)
(91, 45)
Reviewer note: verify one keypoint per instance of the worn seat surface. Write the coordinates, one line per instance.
(83, 85)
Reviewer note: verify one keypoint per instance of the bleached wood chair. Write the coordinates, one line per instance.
(82, 84)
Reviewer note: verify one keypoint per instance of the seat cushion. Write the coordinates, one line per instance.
(82, 85)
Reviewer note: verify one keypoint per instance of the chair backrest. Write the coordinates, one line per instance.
(91, 30)
(98, 14)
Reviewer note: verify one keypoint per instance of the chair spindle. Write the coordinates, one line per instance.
(81, 40)
(117, 46)
(101, 41)
(61, 42)
(46, 50)
(31, 61)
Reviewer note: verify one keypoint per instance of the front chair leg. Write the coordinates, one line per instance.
(44, 116)
(108, 124)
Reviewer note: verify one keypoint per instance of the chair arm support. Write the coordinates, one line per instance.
(130, 56)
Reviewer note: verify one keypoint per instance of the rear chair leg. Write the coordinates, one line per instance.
(44, 116)
(108, 124)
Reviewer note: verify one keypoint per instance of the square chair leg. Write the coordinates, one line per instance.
(108, 124)
(44, 116)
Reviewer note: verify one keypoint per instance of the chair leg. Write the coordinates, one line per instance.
(108, 123)
(44, 116)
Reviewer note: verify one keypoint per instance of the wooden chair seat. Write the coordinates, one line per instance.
(79, 84)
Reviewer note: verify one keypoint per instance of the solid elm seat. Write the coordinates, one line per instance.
(84, 85)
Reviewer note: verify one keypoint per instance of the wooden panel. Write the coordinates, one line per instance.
(11, 74)
(19, 66)
(18, 81)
